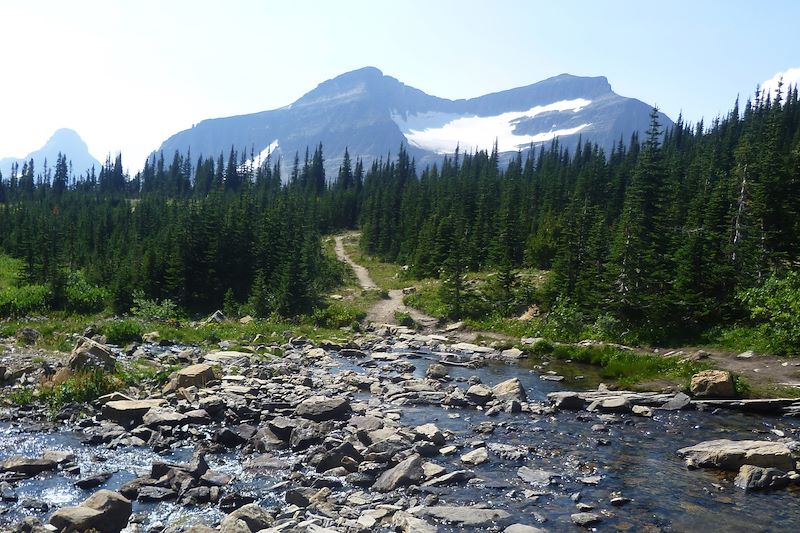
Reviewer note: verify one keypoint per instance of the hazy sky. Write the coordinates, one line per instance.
(126, 75)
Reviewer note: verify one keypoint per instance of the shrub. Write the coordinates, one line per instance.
(776, 307)
(83, 297)
(337, 315)
(81, 387)
(123, 331)
(24, 300)
(153, 310)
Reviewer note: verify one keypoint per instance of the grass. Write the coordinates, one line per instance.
(82, 387)
(10, 270)
(628, 369)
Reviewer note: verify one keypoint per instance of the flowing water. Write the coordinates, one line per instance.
(634, 456)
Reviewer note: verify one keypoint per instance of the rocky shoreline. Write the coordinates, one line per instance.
(393, 431)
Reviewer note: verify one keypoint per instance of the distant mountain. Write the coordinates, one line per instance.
(64, 141)
(372, 114)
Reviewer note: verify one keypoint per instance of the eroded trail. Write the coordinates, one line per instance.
(383, 312)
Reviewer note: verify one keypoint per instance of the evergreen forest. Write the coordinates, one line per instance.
(672, 234)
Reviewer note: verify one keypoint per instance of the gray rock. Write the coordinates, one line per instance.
(129, 412)
(537, 478)
(585, 519)
(89, 354)
(436, 371)
(321, 408)
(408, 523)
(159, 416)
(93, 481)
(475, 457)
(510, 389)
(523, 528)
(732, 455)
(192, 376)
(757, 478)
(566, 400)
(430, 432)
(407, 472)
(678, 402)
(480, 394)
(472, 516)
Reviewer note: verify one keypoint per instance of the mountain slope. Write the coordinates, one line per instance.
(372, 114)
(64, 141)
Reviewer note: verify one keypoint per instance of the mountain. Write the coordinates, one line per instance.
(64, 141)
(372, 114)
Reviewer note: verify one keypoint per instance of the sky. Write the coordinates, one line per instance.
(128, 74)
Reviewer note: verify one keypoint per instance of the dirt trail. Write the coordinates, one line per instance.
(364, 281)
(383, 311)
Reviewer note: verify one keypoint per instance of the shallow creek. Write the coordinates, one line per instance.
(631, 455)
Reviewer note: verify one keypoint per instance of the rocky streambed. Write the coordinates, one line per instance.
(396, 432)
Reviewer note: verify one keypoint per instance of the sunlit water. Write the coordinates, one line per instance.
(635, 457)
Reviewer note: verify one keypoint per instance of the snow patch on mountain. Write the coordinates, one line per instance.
(262, 156)
(443, 132)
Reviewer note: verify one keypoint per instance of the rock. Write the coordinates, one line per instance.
(585, 519)
(476, 457)
(192, 376)
(27, 336)
(321, 408)
(352, 352)
(513, 353)
(27, 466)
(366, 422)
(537, 478)
(407, 472)
(436, 371)
(160, 416)
(246, 320)
(93, 481)
(156, 494)
(566, 400)
(253, 515)
(479, 394)
(522, 528)
(678, 402)
(510, 389)
(408, 523)
(473, 516)
(216, 317)
(641, 410)
(617, 404)
(732, 455)
(7, 492)
(430, 432)
(128, 412)
(757, 478)
(89, 354)
(105, 510)
(746, 355)
(713, 384)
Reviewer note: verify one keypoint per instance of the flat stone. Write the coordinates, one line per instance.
(678, 402)
(475, 457)
(430, 432)
(472, 516)
(523, 528)
(537, 478)
(125, 412)
(585, 519)
(27, 466)
(732, 455)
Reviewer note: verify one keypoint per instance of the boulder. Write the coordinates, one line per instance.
(406, 473)
(27, 336)
(436, 371)
(479, 394)
(566, 400)
(732, 455)
(408, 523)
(129, 412)
(513, 353)
(713, 384)
(430, 432)
(470, 516)
(585, 519)
(678, 402)
(160, 416)
(27, 466)
(321, 408)
(89, 355)
(537, 478)
(752, 477)
(105, 511)
(511, 389)
(523, 528)
(253, 515)
(192, 376)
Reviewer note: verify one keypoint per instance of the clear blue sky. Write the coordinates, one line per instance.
(126, 75)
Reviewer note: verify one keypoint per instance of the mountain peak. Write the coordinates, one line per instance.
(64, 141)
